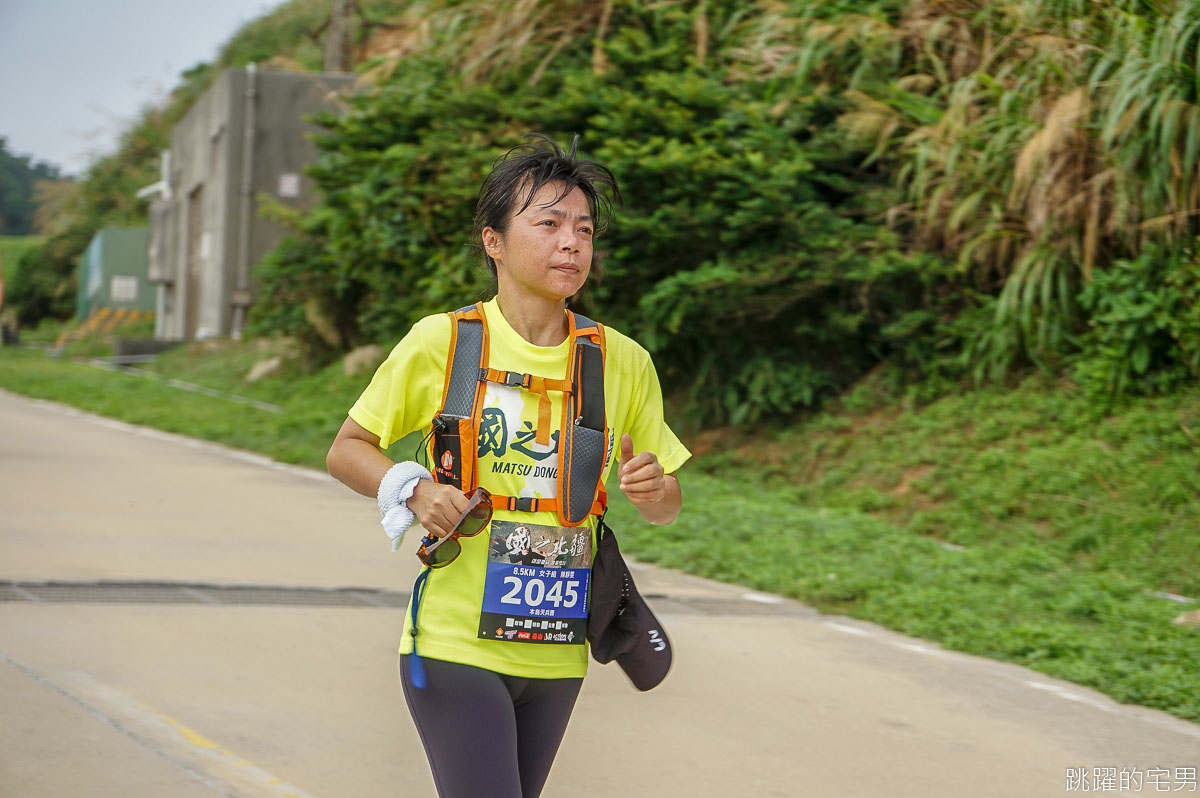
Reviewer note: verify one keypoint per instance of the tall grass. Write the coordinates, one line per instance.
(1031, 142)
(1035, 142)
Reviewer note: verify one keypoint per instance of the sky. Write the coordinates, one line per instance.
(74, 74)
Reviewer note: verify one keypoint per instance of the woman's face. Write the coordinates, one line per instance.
(547, 249)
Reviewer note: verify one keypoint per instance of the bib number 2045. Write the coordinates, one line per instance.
(532, 592)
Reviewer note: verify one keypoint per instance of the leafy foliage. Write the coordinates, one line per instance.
(44, 283)
(17, 178)
(930, 186)
(1145, 317)
(1036, 144)
(740, 213)
(11, 249)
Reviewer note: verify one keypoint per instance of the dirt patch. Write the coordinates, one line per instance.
(764, 454)
(910, 476)
(876, 418)
(913, 499)
(720, 439)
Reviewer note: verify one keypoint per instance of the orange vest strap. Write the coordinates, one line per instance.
(542, 437)
(456, 425)
(525, 504)
(538, 385)
(526, 381)
(506, 377)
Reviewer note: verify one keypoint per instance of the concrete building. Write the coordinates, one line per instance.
(244, 137)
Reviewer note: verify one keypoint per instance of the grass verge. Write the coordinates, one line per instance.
(1022, 525)
(1018, 602)
(300, 434)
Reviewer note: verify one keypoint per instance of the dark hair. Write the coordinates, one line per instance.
(540, 162)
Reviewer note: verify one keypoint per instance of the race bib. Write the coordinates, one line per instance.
(536, 588)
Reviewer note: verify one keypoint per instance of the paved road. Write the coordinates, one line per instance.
(250, 693)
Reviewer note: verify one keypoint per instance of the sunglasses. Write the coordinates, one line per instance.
(439, 552)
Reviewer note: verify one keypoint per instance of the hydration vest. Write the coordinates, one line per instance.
(583, 437)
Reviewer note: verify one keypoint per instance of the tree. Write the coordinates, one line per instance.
(18, 174)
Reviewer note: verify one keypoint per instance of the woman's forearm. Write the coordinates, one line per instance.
(357, 464)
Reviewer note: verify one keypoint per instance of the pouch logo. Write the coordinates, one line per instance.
(656, 641)
(447, 460)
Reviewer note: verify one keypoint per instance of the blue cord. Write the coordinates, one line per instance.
(416, 668)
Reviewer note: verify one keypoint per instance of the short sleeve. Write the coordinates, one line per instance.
(406, 390)
(646, 424)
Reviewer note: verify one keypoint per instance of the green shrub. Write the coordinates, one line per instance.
(44, 285)
(744, 211)
(1145, 325)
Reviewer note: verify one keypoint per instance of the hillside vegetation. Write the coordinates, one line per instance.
(11, 250)
(19, 179)
(935, 189)
(941, 190)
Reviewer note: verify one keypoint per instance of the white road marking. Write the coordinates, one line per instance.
(1070, 696)
(762, 599)
(850, 630)
(932, 652)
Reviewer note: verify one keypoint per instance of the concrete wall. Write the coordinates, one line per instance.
(192, 227)
(207, 237)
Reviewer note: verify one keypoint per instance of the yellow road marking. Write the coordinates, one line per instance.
(205, 757)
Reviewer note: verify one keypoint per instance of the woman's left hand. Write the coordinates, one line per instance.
(643, 480)
(652, 491)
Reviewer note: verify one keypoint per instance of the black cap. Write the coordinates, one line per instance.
(620, 623)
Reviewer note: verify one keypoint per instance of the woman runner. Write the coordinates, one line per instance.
(496, 699)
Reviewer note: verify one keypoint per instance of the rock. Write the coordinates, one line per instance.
(321, 320)
(265, 368)
(278, 345)
(1188, 619)
(207, 347)
(362, 360)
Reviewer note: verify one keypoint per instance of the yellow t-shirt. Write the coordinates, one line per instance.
(406, 393)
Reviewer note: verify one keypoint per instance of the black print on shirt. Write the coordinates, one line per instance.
(523, 470)
(527, 434)
(493, 432)
(493, 436)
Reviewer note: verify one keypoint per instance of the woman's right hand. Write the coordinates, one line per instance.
(437, 507)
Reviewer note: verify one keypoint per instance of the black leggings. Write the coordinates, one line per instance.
(487, 734)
